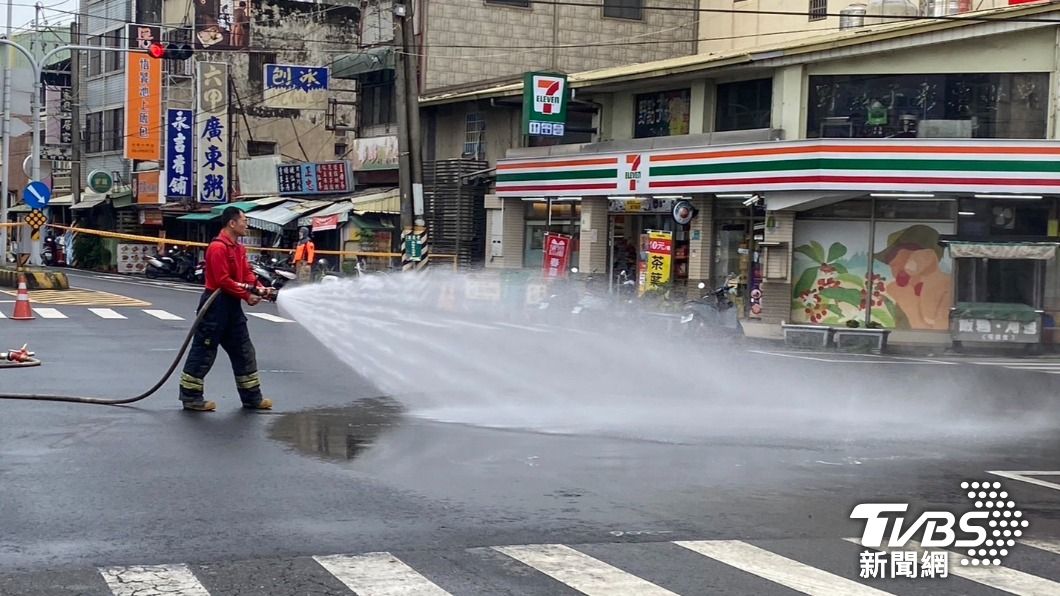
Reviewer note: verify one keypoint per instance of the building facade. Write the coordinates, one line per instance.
(920, 155)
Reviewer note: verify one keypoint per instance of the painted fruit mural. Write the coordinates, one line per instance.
(912, 285)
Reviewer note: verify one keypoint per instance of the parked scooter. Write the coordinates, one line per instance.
(713, 314)
(53, 253)
(272, 274)
(176, 262)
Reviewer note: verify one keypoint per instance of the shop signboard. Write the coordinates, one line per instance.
(314, 178)
(296, 87)
(545, 104)
(143, 96)
(640, 205)
(329, 222)
(557, 255)
(223, 24)
(211, 130)
(178, 154)
(657, 259)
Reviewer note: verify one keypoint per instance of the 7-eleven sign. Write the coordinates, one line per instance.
(544, 104)
(633, 170)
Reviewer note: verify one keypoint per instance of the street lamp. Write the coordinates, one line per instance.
(36, 113)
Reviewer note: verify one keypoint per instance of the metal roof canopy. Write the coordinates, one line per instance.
(341, 208)
(199, 216)
(274, 219)
(381, 201)
(90, 202)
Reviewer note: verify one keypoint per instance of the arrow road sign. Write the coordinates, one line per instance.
(37, 194)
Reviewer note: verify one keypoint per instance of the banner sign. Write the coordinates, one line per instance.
(211, 133)
(222, 24)
(143, 96)
(329, 222)
(659, 256)
(314, 178)
(557, 255)
(178, 154)
(375, 153)
(296, 87)
(544, 104)
(66, 123)
(146, 185)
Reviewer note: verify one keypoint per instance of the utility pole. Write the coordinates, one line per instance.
(75, 115)
(5, 186)
(410, 154)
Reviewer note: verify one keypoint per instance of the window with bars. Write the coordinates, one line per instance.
(475, 136)
(95, 59)
(517, 3)
(256, 68)
(818, 10)
(114, 61)
(94, 132)
(624, 9)
(114, 130)
(258, 148)
(376, 99)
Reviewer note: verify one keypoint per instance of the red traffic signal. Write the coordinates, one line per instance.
(169, 51)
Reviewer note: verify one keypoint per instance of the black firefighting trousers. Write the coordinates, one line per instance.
(224, 325)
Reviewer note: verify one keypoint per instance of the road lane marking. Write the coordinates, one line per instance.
(997, 577)
(270, 317)
(49, 313)
(378, 574)
(580, 571)
(850, 360)
(523, 327)
(153, 579)
(1052, 546)
(1026, 476)
(777, 569)
(106, 313)
(164, 315)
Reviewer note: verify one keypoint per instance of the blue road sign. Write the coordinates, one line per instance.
(37, 194)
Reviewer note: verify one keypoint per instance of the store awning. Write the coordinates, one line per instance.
(90, 202)
(199, 217)
(1041, 251)
(251, 204)
(386, 201)
(61, 201)
(20, 208)
(342, 209)
(274, 219)
(370, 222)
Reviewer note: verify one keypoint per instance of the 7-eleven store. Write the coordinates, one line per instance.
(938, 222)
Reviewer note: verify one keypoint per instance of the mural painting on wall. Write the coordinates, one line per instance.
(912, 284)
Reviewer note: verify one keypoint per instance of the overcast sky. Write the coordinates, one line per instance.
(23, 11)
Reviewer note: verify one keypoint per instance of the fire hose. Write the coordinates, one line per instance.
(23, 358)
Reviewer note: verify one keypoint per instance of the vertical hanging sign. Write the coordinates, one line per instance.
(178, 155)
(211, 133)
(143, 96)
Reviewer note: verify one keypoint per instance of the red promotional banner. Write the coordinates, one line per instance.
(329, 222)
(557, 255)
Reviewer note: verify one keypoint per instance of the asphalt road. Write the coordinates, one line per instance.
(745, 487)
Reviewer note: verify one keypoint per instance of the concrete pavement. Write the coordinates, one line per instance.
(758, 473)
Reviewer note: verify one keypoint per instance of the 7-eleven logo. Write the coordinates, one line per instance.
(548, 94)
(632, 173)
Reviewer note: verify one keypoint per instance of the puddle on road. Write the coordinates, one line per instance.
(337, 434)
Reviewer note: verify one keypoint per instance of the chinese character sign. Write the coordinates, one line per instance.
(143, 96)
(314, 178)
(296, 87)
(179, 141)
(211, 133)
(557, 255)
(655, 265)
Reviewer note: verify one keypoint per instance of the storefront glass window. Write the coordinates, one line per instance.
(1000, 280)
(983, 218)
(916, 210)
(744, 105)
(990, 105)
(662, 114)
(566, 219)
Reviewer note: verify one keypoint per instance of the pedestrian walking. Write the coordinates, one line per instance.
(224, 324)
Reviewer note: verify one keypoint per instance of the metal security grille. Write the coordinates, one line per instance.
(818, 9)
(454, 210)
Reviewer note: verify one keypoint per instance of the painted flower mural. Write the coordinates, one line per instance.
(911, 287)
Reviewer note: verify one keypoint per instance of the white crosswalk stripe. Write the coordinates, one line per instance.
(776, 568)
(106, 313)
(379, 574)
(387, 574)
(164, 315)
(580, 571)
(49, 313)
(155, 579)
(269, 317)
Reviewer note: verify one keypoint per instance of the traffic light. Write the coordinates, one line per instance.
(169, 51)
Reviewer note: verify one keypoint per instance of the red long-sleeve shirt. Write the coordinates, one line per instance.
(227, 267)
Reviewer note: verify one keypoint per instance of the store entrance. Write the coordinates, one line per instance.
(738, 230)
(626, 232)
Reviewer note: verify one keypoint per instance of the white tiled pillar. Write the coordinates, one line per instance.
(593, 239)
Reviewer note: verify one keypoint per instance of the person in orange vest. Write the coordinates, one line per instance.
(304, 254)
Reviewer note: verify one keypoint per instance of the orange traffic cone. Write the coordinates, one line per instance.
(22, 310)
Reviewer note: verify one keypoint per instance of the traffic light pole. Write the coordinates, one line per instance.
(36, 111)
